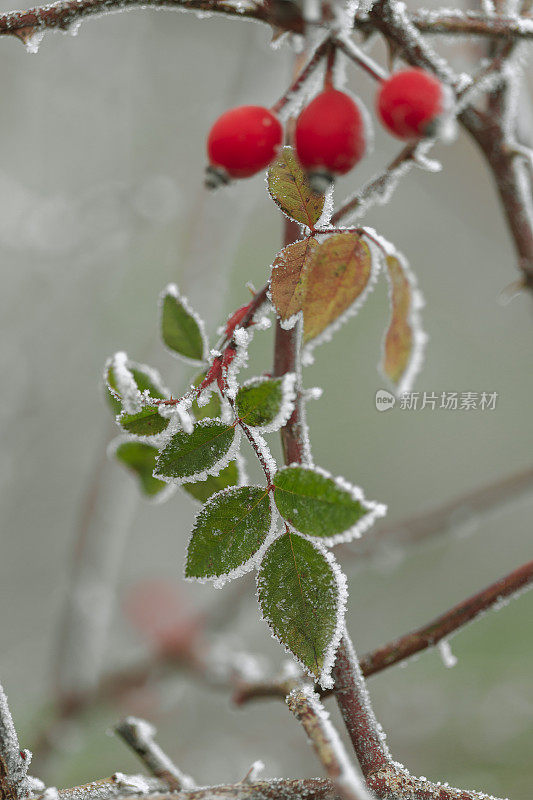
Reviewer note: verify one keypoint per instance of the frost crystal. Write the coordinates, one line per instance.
(448, 658)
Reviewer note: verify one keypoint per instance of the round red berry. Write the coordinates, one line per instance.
(330, 134)
(244, 141)
(410, 103)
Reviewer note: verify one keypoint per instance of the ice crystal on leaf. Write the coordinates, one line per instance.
(182, 329)
(230, 534)
(323, 507)
(302, 593)
(191, 457)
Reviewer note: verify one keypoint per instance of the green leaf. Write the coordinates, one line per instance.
(139, 458)
(404, 340)
(289, 276)
(337, 275)
(290, 189)
(213, 408)
(317, 505)
(266, 403)
(202, 490)
(302, 595)
(146, 422)
(187, 457)
(142, 376)
(182, 330)
(229, 530)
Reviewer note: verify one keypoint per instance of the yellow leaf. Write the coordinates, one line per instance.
(337, 275)
(398, 344)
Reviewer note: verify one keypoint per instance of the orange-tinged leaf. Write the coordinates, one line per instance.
(290, 190)
(337, 275)
(289, 277)
(399, 337)
(404, 340)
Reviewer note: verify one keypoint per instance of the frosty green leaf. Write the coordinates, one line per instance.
(142, 377)
(182, 330)
(290, 189)
(146, 422)
(317, 505)
(202, 490)
(190, 457)
(266, 403)
(139, 458)
(302, 594)
(229, 530)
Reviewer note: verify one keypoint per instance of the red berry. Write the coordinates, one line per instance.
(244, 141)
(330, 134)
(410, 102)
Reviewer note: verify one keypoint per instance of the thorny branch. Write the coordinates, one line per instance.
(139, 735)
(283, 15)
(383, 776)
(309, 711)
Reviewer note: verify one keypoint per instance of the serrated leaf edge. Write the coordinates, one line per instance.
(127, 364)
(217, 466)
(420, 337)
(328, 333)
(162, 496)
(149, 438)
(219, 581)
(324, 679)
(303, 225)
(172, 290)
(375, 509)
(288, 399)
(242, 479)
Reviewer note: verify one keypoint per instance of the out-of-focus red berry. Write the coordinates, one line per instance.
(410, 103)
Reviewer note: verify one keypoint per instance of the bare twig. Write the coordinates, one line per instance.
(123, 786)
(451, 621)
(139, 735)
(468, 23)
(309, 711)
(64, 13)
(285, 16)
(14, 763)
(117, 786)
(310, 66)
(360, 58)
(378, 190)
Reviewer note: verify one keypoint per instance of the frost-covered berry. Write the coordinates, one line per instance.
(411, 103)
(330, 137)
(242, 141)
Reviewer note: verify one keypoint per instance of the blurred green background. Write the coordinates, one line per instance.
(101, 205)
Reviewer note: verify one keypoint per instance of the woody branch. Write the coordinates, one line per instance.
(284, 15)
(383, 776)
